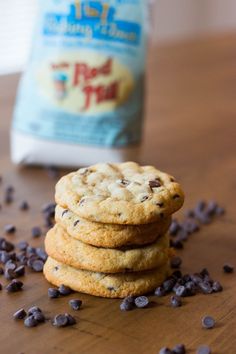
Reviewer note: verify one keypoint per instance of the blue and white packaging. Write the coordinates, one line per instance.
(81, 97)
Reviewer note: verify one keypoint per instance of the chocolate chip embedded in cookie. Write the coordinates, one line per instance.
(106, 285)
(123, 193)
(66, 249)
(109, 235)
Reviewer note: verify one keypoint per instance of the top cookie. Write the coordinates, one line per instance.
(124, 193)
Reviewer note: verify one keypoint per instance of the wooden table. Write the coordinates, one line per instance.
(190, 132)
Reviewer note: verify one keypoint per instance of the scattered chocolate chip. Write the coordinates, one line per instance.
(205, 287)
(189, 213)
(34, 309)
(9, 229)
(8, 198)
(39, 316)
(71, 319)
(141, 301)
(19, 314)
(181, 291)
(175, 262)
(75, 304)
(9, 274)
(0, 286)
(24, 205)
(37, 265)
(20, 271)
(174, 227)
(203, 349)
(217, 287)
(127, 304)
(30, 321)
(227, 268)
(14, 286)
(1, 271)
(168, 284)
(10, 189)
(160, 291)
(165, 351)
(41, 254)
(64, 290)
(36, 231)
(53, 293)
(179, 349)
(219, 211)
(176, 243)
(60, 320)
(175, 301)
(6, 245)
(208, 322)
(154, 184)
(22, 245)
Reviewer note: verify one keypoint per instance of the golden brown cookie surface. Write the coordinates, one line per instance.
(124, 193)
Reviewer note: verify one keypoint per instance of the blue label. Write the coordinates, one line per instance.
(85, 79)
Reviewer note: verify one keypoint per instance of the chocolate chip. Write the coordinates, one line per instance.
(160, 205)
(154, 184)
(82, 201)
(124, 182)
(39, 316)
(165, 351)
(179, 349)
(204, 272)
(127, 304)
(75, 304)
(20, 271)
(160, 291)
(203, 349)
(217, 287)
(34, 309)
(175, 262)
(176, 243)
(9, 229)
(64, 212)
(181, 291)
(168, 284)
(141, 301)
(53, 293)
(208, 322)
(36, 231)
(145, 197)
(200, 206)
(176, 196)
(24, 205)
(6, 245)
(1, 271)
(14, 286)
(10, 189)
(64, 290)
(175, 301)
(60, 320)
(37, 265)
(174, 227)
(0, 286)
(189, 213)
(71, 319)
(211, 208)
(19, 314)
(41, 254)
(22, 245)
(9, 274)
(205, 287)
(219, 211)
(8, 198)
(76, 223)
(227, 268)
(30, 321)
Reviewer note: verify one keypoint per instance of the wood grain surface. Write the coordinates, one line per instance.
(190, 132)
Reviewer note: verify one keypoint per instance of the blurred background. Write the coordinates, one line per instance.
(172, 21)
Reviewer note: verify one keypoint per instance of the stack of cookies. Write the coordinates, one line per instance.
(110, 238)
